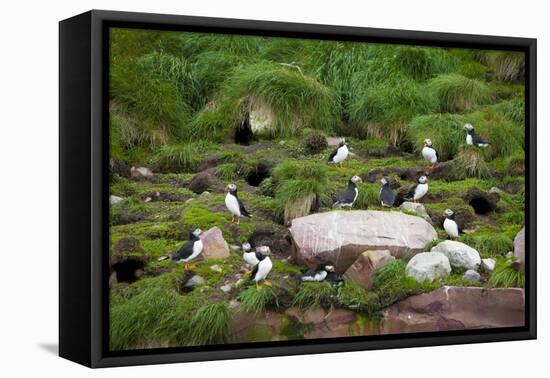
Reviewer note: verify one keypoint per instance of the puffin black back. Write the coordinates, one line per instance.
(223, 183)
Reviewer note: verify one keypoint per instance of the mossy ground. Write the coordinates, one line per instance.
(169, 90)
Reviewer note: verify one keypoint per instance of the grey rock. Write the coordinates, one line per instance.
(461, 256)
(416, 208)
(471, 275)
(519, 247)
(115, 199)
(488, 265)
(496, 190)
(226, 288)
(428, 266)
(194, 281)
(216, 268)
(141, 173)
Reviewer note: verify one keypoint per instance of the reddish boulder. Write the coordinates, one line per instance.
(361, 271)
(214, 245)
(455, 308)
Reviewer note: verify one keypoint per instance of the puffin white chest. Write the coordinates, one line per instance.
(451, 228)
(197, 249)
(232, 204)
(264, 267)
(250, 258)
(320, 276)
(421, 190)
(469, 139)
(429, 154)
(341, 154)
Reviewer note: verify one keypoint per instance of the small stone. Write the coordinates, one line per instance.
(189, 200)
(428, 266)
(235, 247)
(216, 268)
(509, 255)
(141, 173)
(194, 281)
(234, 303)
(488, 265)
(115, 199)
(205, 193)
(415, 208)
(494, 189)
(471, 275)
(226, 288)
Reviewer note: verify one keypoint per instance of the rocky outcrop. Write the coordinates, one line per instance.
(214, 245)
(428, 266)
(341, 236)
(455, 308)
(519, 247)
(461, 256)
(362, 270)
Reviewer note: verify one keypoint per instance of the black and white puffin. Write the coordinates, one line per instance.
(249, 255)
(429, 153)
(472, 138)
(263, 267)
(387, 196)
(234, 204)
(418, 190)
(190, 249)
(339, 154)
(452, 228)
(318, 273)
(348, 197)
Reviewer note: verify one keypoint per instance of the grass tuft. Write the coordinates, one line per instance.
(506, 275)
(210, 324)
(256, 301)
(457, 93)
(312, 294)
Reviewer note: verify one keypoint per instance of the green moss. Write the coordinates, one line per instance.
(456, 279)
(291, 328)
(259, 332)
(355, 297)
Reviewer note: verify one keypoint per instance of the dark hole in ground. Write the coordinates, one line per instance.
(259, 174)
(481, 205)
(128, 271)
(243, 134)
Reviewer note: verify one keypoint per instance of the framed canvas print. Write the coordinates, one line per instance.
(233, 188)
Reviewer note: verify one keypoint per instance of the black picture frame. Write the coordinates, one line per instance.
(84, 172)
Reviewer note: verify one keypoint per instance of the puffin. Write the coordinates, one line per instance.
(339, 154)
(419, 190)
(429, 153)
(190, 250)
(387, 196)
(249, 255)
(348, 197)
(319, 273)
(472, 138)
(263, 267)
(234, 204)
(452, 228)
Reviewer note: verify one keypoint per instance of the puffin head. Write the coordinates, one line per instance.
(197, 232)
(330, 268)
(264, 250)
(448, 212)
(427, 142)
(246, 247)
(468, 127)
(231, 188)
(342, 143)
(384, 181)
(422, 179)
(355, 179)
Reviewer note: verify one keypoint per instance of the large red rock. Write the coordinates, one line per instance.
(361, 271)
(341, 236)
(455, 308)
(214, 245)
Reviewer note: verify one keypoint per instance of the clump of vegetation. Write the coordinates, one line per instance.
(315, 143)
(312, 294)
(256, 301)
(506, 65)
(180, 157)
(457, 93)
(470, 163)
(355, 297)
(210, 324)
(513, 110)
(445, 130)
(392, 284)
(369, 196)
(490, 244)
(506, 274)
(383, 110)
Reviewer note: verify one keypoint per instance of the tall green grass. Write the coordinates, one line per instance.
(457, 93)
(445, 130)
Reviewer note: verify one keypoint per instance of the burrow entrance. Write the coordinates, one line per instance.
(128, 270)
(481, 205)
(243, 134)
(256, 176)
